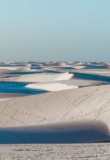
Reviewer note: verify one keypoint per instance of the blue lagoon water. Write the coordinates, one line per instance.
(94, 77)
(22, 73)
(33, 72)
(18, 87)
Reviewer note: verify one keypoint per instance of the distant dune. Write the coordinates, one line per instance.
(40, 77)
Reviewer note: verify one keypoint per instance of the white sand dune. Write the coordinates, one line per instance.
(79, 67)
(8, 68)
(103, 72)
(51, 86)
(82, 82)
(40, 77)
(64, 84)
(24, 68)
(12, 67)
(4, 99)
(61, 106)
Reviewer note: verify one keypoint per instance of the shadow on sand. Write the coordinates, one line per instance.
(77, 132)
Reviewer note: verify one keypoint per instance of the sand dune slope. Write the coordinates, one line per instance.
(40, 77)
(80, 104)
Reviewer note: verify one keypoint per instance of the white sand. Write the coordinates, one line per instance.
(16, 68)
(64, 84)
(4, 99)
(51, 86)
(40, 77)
(94, 151)
(103, 72)
(79, 67)
(82, 82)
(62, 106)
(8, 68)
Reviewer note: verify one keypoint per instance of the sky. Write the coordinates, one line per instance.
(55, 30)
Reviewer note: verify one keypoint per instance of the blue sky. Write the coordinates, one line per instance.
(45, 30)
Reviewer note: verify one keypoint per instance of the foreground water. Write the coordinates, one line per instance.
(28, 135)
(18, 87)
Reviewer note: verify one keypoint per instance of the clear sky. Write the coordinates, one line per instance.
(46, 30)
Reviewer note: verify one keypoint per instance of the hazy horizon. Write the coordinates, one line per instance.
(45, 30)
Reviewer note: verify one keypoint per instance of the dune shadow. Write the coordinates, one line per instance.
(68, 132)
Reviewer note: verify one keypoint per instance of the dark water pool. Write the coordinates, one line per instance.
(18, 87)
(94, 67)
(88, 76)
(33, 72)
(27, 136)
(23, 73)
